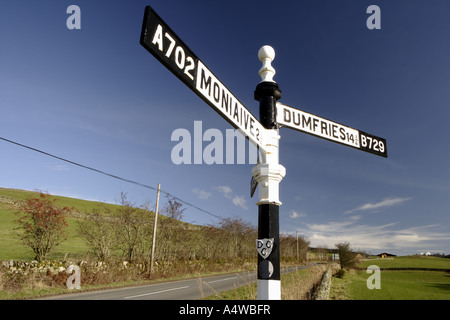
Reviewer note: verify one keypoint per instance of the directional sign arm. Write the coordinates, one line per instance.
(162, 42)
(330, 130)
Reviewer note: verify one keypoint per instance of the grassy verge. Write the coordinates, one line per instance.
(296, 285)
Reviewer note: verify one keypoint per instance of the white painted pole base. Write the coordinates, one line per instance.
(269, 290)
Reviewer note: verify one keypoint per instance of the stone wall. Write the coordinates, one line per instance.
(323, 290)
(57, 266)
(25, 267)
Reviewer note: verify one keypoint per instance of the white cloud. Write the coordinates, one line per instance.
(294, 214)
(388, 202)
(201, 194)
(238, 201)
(227, 192)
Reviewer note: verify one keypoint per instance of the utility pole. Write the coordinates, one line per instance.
(154, 229)
(268, 173)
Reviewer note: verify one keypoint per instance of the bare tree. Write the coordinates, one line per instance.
(236, 238)
(133, 231)
(173, 208)
(291, 246)
(98, 229)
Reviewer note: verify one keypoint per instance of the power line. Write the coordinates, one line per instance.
(111, 175)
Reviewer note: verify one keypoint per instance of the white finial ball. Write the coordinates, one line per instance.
(266, 52)
(266, 55)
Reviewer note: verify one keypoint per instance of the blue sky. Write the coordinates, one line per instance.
(95, 96)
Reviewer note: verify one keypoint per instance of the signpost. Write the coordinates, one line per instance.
(160, 40)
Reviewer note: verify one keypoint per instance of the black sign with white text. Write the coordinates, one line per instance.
(330, 130)
(372, 144)
(160, 40)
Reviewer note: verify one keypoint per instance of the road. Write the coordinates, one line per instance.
(190, 289)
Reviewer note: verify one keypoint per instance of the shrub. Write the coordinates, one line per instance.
(43, 224)
(347, 258)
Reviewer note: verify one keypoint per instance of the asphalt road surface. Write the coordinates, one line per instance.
(190, 289)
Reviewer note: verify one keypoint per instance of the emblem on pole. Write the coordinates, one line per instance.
(264, 247)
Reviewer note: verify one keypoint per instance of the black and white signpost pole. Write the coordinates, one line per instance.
(268, 173)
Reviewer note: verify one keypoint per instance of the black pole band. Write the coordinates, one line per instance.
(267, 93)
(269, 227)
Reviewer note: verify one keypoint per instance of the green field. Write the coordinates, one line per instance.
(423, 283)
(12, 248)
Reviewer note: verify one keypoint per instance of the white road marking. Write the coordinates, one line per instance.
(156, 292)
(221, 280)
